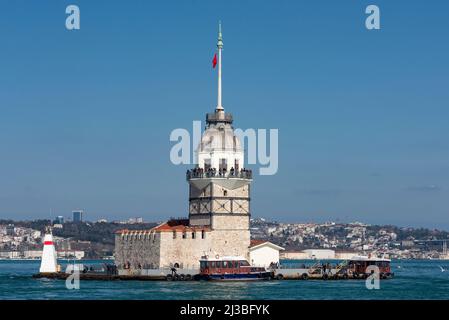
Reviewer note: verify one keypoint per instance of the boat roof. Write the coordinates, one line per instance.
(222, 258)
(368, 258)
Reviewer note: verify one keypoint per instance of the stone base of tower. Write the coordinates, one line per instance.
(231, 243)
(174, 244)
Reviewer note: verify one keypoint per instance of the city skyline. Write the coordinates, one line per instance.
(362, 115)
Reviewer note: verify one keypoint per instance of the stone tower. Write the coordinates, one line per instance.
(219, 186)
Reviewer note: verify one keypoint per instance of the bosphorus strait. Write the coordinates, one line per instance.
(414, 279)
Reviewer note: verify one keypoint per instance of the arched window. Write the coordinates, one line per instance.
(193, 235)
(207, 164)
(223, 164)
(225, 192)
(174, 234)
(203, 234)
(184, 235)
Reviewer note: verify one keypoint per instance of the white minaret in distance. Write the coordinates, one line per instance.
(48, 262)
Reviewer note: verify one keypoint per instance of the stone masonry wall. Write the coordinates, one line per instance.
(139, 250)
(184, 251)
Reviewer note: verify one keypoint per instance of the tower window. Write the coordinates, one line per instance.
(223, 165)
(184, 235)
(193, 235)
(225, 192)
(207, 164)
(174, 234)
(203, 234)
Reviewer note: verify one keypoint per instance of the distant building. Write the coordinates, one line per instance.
(75, 254)
(312, 254)
(294, 255)
(10, 230)
(135, 220)
(78, 215)
(407, 243)
(32, 254)
(10, 255)
(320, 253)
(59, 220)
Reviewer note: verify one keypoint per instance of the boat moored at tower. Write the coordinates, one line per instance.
(231, 268)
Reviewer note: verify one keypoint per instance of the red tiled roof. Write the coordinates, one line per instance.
(256, 242)
(181, 225)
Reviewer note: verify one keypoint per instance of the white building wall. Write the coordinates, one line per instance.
(263, 256)
(320, 253)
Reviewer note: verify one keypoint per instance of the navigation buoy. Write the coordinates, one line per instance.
(49, 261)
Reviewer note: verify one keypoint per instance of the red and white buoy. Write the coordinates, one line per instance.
(49, 260)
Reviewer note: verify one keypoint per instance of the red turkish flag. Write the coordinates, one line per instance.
(214, 61)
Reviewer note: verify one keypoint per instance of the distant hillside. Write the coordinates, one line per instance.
(100, 232)
(343, 236)
(294, 235)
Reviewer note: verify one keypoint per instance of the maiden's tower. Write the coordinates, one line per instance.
(219, 204)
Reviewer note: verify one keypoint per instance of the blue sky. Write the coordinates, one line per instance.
(363, 116)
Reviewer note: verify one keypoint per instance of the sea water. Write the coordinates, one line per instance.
(414, 279)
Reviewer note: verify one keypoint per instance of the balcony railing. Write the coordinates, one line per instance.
(217, 117)
(198, 173)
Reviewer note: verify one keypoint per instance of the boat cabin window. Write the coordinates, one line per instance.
(225, 264)
(212, 264)
(203, 264)
(244, 263)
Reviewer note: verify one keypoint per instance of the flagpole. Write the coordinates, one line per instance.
(219, 46)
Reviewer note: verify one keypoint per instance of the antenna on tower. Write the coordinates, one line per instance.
(220, 47)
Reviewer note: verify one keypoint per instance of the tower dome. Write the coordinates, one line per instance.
(220, 148)
(219, 139)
